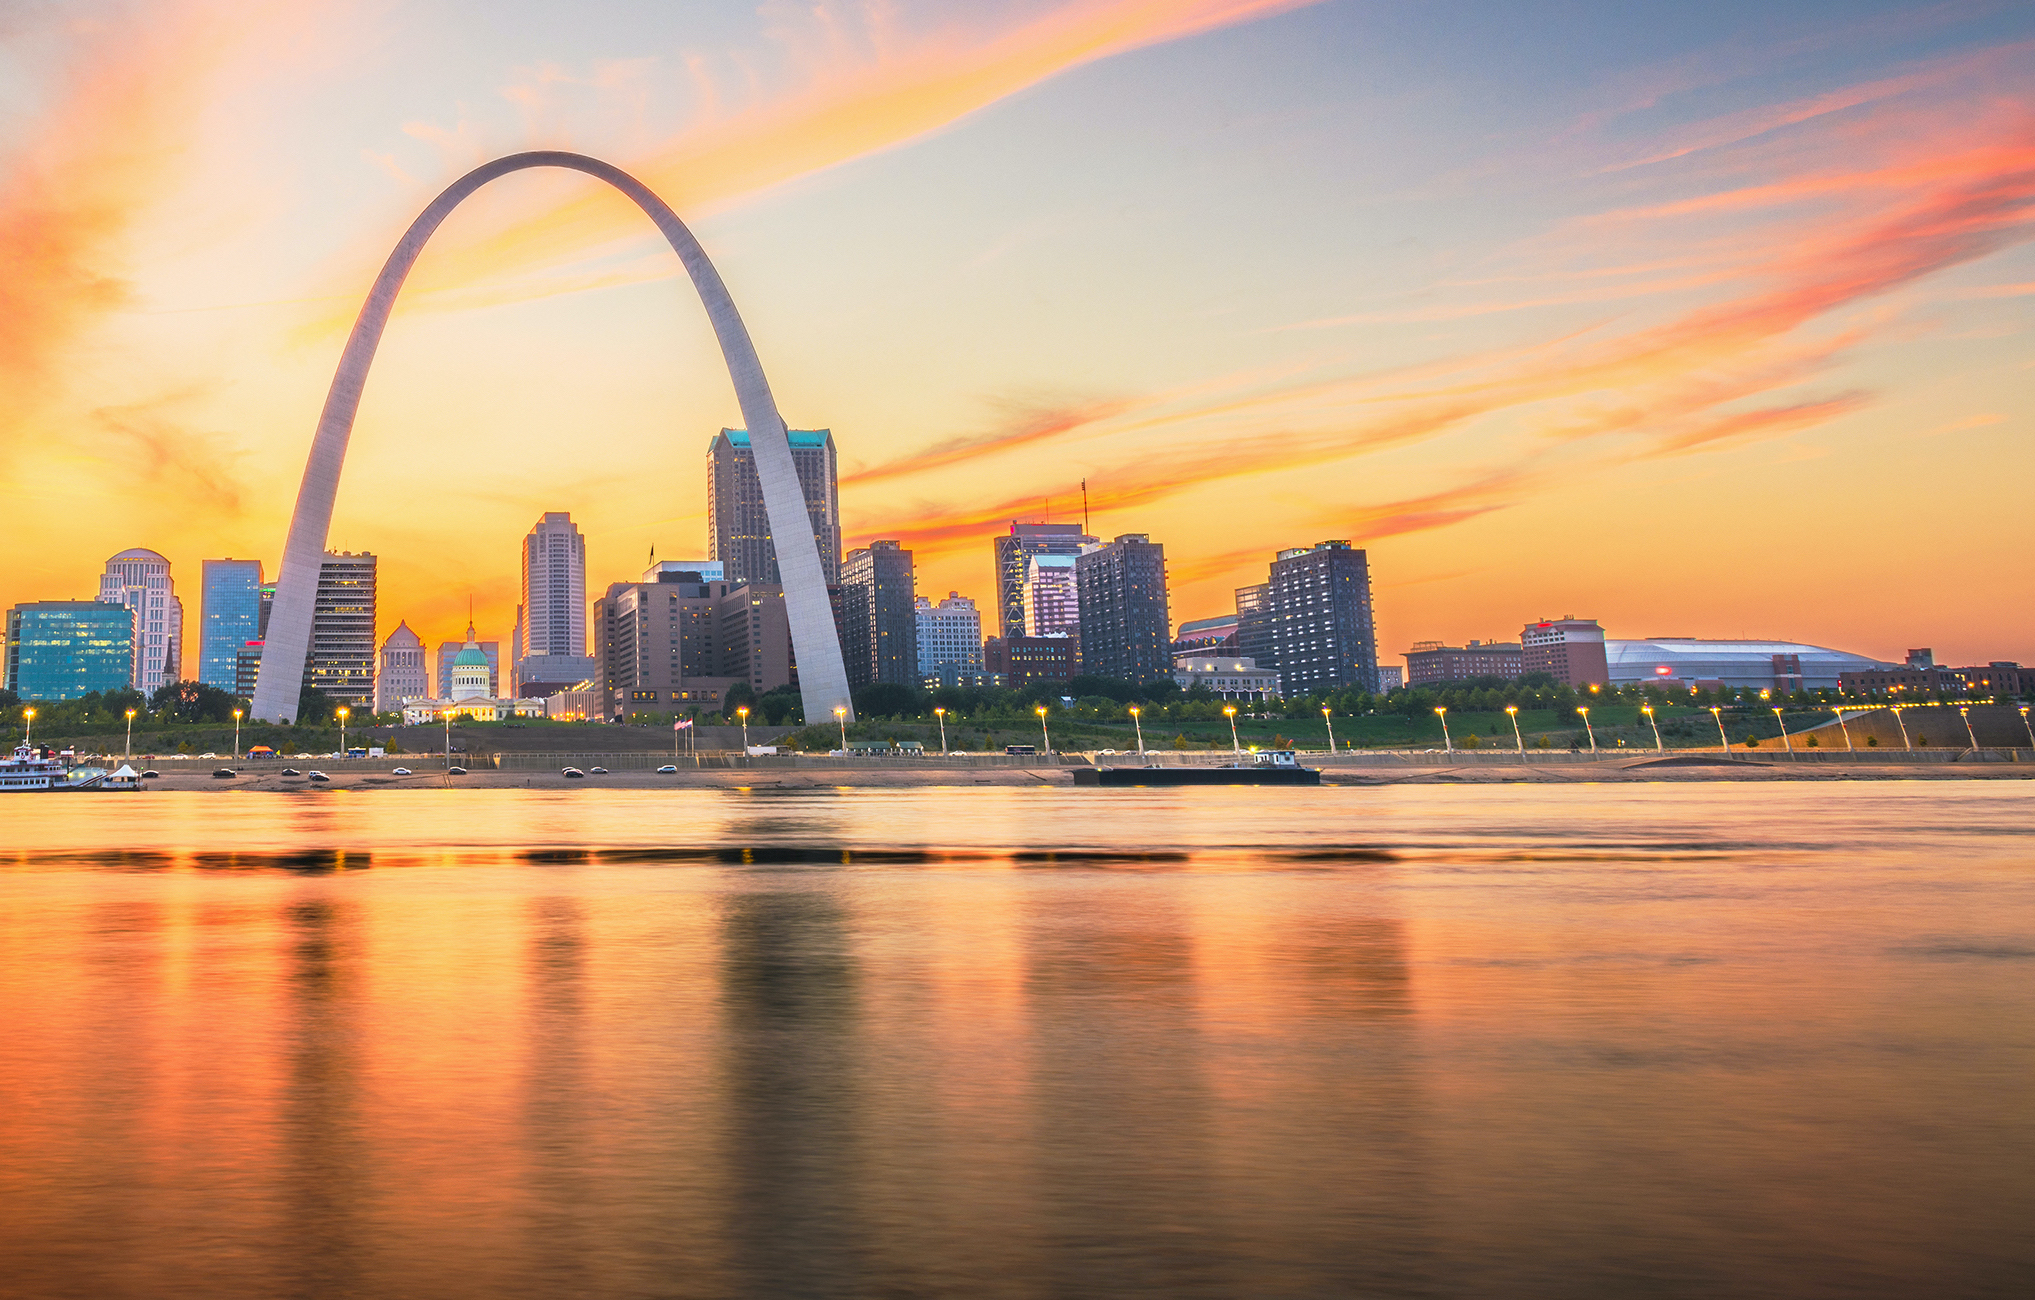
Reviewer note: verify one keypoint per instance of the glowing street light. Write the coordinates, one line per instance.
(1235, 745)
(941, 714)
(1135, 722)
(130, 732)
(1588, 728)
(1330, 720)
(1443, 714)
(1512, 711)
(742, 712)
(1647, 709)
(1849, 748)
(236, 734)
(2030, 730)
(1784, 730)
(27, 725)
(1044, 734)
(1966, 715)
(342, 711)
(1722, 739)
(841, 721)
(1904, 728)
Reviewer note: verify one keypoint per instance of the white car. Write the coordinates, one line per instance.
(668, 769)
(316, 775)
(401, 771)
(598, 771)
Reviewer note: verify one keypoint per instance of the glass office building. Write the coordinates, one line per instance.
(230, 618)
(64, 649)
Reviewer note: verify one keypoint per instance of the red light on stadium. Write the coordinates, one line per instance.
(1662, 670)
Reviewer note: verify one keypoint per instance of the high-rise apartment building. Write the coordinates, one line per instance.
(140, 580)
(950, 636)
(738, 525)
(1254, 639)
(342, 660)
(678, 644)
(879, 616)
(1014, 551)
(548, 653)
(1569, 649)
(64, 649)
(402, 674)
(1323, 637)
(229, 616)
(1021, 661)
(1126, 631)
(1052, 605)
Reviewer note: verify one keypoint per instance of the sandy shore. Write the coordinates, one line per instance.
(879, 777)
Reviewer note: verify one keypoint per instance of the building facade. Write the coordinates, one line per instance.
(2002, 677)
(448, 654)
(229, 616)
(65, 649)
(1323, 637)
(548, 648)
(1571, 650)
(402, 674)
(140, 579)
(1430, 663)
(1685, 662)
(342, 658)
(1231, 677)
(679, 644)
(738, 526)
(1207, 636)
(1254, 639)
(1126, 629)
(1021, 661)
(879, 616)
(950, 637)
(1014, 551)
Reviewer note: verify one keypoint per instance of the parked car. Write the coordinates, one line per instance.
(290, 771)
(319, 776)
(598, 771)
(224, 773)
(455, 771)
(151, 775)
(401, 771)
(572, 772)
(668, 769)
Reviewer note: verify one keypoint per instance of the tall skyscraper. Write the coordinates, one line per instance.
(402, 675)
(879, 616)
(549, 652)
(1322, 633)
(950, 636)
(342, 659)
(64, 649)
(1014, 551)
(140, 580)
(1254, 625)
(738, 528)
(1052, 605)
(679, 643)
(1126, 629)
(229, 617)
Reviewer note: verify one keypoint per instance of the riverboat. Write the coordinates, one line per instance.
(29, 769)
(1268, 767)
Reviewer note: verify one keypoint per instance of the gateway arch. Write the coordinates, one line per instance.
(823, 679)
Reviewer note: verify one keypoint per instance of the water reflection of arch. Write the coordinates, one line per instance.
(823, 677)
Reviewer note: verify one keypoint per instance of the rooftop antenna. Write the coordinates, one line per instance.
(1084, 505)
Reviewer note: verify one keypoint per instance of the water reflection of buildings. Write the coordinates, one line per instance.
(325, 1160)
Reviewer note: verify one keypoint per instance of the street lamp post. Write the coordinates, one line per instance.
(1849, 748)
(1512, 711)
(941, 714)
(1327, 716)
(1783, 724)
(1966, 715)
(841, 721)
(2029, 729)
(1647, 709)
(130, 732)
(342, 711)
(1722, 739)
(1236, 746)
(1044, 734)
(1447, 743)
(447, 715)
(27, 725)
(1137, 722)
(236, 735)
(1902, 724)
(1588, 728)
(742, 712)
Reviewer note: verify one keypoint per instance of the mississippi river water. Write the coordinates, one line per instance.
(1675, 1040)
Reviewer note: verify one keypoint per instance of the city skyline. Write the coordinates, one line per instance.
(1652, 339)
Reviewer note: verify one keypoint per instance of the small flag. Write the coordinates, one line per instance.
(681, 726)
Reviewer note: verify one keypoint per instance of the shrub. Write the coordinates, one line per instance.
(1542, 742)
(1872, 742)
(1752, 742)
(1815, 743)
(1470, 741)
(1922, 741)
(1180, 741)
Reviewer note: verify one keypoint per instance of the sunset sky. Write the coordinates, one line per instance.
(1702, 319)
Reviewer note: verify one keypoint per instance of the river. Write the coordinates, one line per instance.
(1573, 1041)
